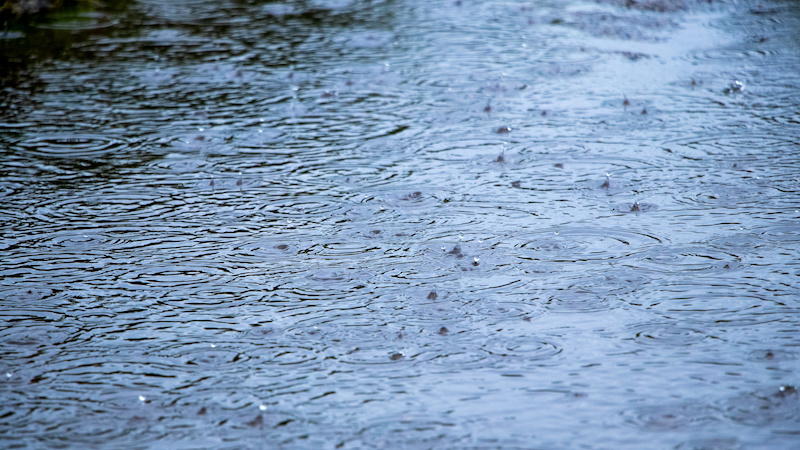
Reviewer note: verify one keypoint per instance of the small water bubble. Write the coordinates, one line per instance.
(460, 237)
(556, 233)
(8, 375)
(262, 407)
(142, 398)
(200, 129)
(213, 345)
(735, 87)
(288, 220)
(260, 130)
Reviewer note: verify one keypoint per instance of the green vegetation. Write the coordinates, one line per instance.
(25, 11)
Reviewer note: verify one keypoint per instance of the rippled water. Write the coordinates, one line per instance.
(402, 224)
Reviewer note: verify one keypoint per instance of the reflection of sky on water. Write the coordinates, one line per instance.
(401, 224)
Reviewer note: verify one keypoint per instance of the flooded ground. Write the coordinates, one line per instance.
(402, 224)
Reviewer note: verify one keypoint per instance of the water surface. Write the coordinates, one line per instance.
(402, 224)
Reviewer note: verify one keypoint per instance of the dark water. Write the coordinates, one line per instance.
(402, 224)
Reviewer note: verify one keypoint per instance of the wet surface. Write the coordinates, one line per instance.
(378, 224)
